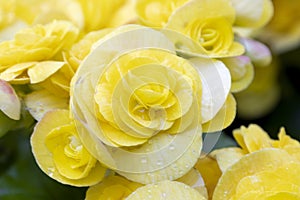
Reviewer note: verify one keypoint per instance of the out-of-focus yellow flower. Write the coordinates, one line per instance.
(252, 13)
(106, 13)
(45, 11)
(7, 16)
(136, 99)
(9, 22)
(112, 188)
(168, 190)
(41, 42)
(59, 152)
(156, 13)
(262, 95)
(283, 33)
(265, 174)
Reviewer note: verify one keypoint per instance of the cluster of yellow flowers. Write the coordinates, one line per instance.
(122, 91)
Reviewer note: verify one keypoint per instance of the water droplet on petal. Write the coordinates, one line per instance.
(144, 160)
(159, 162)
(172, 147)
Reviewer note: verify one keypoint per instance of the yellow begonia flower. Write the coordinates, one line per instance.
(10, 104)
(41, 42)
(167, 190)
(253, 139)
(265, 174)
(140, 102)
(112, 188)
(60, 153)
(209, 25)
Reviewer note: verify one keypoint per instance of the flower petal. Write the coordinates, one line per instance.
(253, 13)
(41, 101)
(267, 159)
(167, 190)
(223, 118)
(216, 82)
(43, 70)
(10, 104)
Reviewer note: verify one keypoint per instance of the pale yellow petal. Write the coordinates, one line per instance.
(43, 70)
(41, 101)
(216, 82)
(168, 190)
(253, 13)
(223, 118)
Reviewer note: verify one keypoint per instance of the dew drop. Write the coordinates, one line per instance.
(159, 162)
(164, 194)
(144, 160)
(187, 166)
(201, 40)
(50, 171)
(172, 148)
